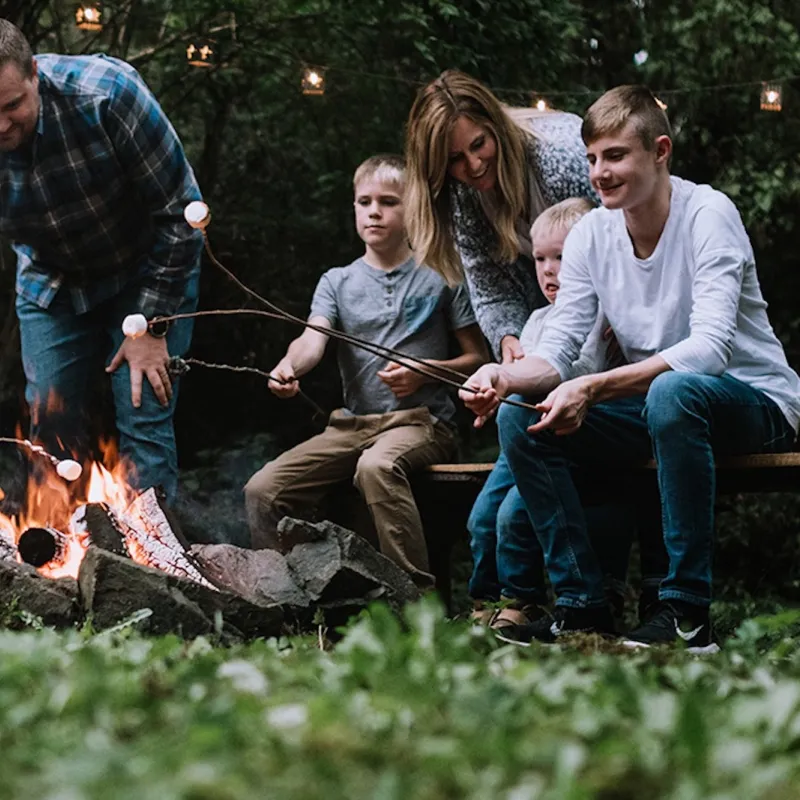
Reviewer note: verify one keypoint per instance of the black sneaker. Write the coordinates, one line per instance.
(676, 623)
(564, 621)
(649, 604)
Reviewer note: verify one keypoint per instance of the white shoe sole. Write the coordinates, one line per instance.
(707, 650)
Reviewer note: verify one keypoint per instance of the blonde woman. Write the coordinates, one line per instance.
(479, 173)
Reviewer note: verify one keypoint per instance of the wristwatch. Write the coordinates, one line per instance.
(159, 329)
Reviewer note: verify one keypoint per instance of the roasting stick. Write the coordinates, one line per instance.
(197, 214)
(315, 406)
(66, 468)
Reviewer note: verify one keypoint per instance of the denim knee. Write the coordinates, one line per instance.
(672, 400)
(513, 423)
(482, 520)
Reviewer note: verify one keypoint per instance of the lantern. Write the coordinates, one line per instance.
(771, 97)
(313, 81)
(201, 53)
(89, 17)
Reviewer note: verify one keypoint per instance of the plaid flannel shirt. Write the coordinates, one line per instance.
(96, 199)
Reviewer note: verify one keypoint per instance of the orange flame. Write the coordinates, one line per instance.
(50, 502)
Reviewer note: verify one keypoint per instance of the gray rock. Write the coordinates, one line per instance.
(112, 588)
(22, 588)
(260, 576)
(332, 563)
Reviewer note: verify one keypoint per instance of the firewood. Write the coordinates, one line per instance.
(39, 546)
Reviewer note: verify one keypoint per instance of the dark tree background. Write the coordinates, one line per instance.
(276, 165)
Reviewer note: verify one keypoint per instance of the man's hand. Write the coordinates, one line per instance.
(510, 350)
(401, 380)
(148, 356)
(491, 384)
(565, 408)
(290, 386)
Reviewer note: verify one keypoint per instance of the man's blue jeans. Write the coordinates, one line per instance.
(64, 352)
(683, 421)
(507, 556)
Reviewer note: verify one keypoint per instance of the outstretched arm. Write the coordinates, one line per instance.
(302, 355)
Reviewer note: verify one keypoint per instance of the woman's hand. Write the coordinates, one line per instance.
(510, 350)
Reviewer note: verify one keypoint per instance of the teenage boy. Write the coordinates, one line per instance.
(394, 420)
(672, 266)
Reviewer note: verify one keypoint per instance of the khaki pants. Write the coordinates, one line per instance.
(379, 451)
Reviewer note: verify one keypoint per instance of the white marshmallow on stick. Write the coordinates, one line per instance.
(69, 470)
(134, 326)
(197, 214)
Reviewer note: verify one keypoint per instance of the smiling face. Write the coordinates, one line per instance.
(379, 214)
(19, 106)
(472, 155)
(547, 249)
(623, 172)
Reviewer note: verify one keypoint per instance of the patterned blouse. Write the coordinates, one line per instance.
(504, 294)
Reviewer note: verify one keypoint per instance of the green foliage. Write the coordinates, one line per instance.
(421, 707)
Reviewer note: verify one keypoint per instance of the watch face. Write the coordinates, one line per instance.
(158, 329)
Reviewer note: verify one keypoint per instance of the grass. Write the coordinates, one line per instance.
(419, 708)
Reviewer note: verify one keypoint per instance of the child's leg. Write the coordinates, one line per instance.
(482, 527)
(294, 482)
(612, 432)
(404, 441)
(520, 564)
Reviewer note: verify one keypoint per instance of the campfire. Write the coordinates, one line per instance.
(59, 520)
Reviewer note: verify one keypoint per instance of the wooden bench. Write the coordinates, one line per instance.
(445, 494)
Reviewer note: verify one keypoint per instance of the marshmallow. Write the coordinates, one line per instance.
(134, 326)
(69, 470)
(197, 214)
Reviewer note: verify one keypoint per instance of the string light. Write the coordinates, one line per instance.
(540, 104)
(313, 81)
(771, 97)
(89, 18)
(660, 103)
(201, 53)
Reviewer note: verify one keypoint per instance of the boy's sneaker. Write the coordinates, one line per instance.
(516, 615)
(674, 622)
(564, 621)
(481, 613)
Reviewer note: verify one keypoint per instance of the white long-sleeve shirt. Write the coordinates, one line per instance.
(695, 301)
(594, 353)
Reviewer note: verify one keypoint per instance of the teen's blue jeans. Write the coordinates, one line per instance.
(63, 353)
(684, 420)
(507, 556)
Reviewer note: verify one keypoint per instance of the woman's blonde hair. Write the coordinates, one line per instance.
(428, 214)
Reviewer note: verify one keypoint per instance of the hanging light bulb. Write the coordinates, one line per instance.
(89, 17)
(771, 97)
(313, 81)
(201, 53)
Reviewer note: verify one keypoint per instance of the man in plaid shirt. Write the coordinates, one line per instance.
(93, 183)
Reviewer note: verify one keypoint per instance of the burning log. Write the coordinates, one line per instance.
(151, 540)
(8, 550)
(102, 526)
(40, 546)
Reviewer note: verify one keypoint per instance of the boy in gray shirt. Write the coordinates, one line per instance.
(393, 420)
